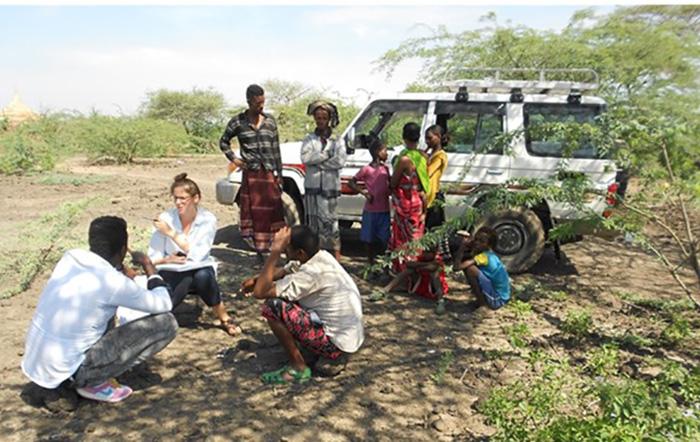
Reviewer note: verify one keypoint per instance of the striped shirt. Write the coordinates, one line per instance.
(260, 148)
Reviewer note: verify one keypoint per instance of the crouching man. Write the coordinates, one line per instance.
(311, 301)
(69, 343)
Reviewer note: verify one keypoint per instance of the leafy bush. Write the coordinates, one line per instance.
(577, 323)
(125, 138)
(22, 152)
(603, 361)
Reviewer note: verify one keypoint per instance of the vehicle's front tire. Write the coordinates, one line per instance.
(292, 211)
(521, 237)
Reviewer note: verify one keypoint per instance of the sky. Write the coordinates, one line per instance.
(107, 58)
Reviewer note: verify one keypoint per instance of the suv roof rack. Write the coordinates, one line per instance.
(543, 85)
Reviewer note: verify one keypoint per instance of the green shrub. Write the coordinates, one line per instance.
(518, 334)
(22, 152)
(603, 361)
(558, 405)
(125, 138)
(675, 332)
(577, 323)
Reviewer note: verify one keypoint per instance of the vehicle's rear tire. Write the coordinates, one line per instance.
(520, 237)
(291, 209)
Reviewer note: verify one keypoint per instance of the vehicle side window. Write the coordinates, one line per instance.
(541, 118)
(472, 127)
(387, 118)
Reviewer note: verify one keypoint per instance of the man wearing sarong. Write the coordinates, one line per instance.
(260, 196)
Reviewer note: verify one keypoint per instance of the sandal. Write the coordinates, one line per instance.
(230, 327)
(277, 376)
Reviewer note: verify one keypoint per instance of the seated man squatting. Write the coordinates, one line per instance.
(312, 301)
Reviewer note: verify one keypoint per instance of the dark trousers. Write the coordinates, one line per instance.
(124, 347)
(200, 281)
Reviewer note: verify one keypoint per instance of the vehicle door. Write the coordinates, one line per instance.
(547, 154)
(476, 152)
(385, 119)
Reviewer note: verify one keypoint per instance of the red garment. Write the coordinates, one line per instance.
(424, 284)
(407, 224)
(260, 201)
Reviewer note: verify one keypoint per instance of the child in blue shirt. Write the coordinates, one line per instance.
(485, 272)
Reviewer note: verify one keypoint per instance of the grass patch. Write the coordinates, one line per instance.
(560, 402)
(578, 323)
(41, 242)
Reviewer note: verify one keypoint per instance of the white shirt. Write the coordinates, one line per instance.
(73, 312)
(200, 238)
(322, 285)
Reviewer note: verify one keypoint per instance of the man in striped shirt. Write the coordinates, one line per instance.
(260, 196)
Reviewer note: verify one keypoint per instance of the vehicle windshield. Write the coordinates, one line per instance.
(386, 119)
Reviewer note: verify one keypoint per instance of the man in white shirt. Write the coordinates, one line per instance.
(312, 301)
(69, 344)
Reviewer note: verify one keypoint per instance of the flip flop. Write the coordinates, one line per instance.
(277, 376)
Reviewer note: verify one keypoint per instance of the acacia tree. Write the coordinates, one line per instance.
(289, 101)
(201, 112)
(648, 60)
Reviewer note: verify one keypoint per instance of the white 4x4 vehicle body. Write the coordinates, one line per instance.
(472, 122)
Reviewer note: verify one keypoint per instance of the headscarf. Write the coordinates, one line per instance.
(328, 107)
(421, 164)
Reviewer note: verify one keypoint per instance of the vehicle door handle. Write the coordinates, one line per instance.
(494, 171)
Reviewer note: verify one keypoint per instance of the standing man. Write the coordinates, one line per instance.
(260, 196)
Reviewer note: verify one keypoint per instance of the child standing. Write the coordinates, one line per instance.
(485, 272)
(376, 219)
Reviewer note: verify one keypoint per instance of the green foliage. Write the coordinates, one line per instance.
(289, 101)
(444, 364)
(41, 242)
(520, 308)
(22, 152)
(664, 306)
(125, 138)
(559, 405)
(578, 323)
(603, 361)
(201, 113)
(675, 332)
(518, 334)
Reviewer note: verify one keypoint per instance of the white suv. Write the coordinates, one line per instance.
(480, 111)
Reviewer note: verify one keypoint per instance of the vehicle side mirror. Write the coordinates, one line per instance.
(350, 141)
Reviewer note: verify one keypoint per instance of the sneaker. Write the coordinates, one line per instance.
(110, 391)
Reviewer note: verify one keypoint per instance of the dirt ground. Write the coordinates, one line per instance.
(206, 386)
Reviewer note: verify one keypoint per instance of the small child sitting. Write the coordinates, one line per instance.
(485, 272)
(425, 276)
